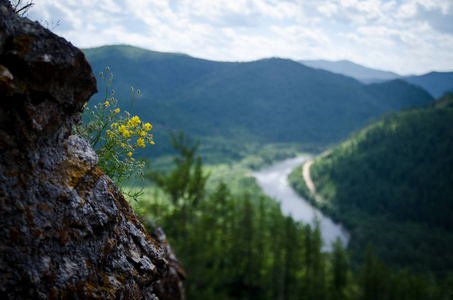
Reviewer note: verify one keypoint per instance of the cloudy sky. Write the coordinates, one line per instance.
(404, 36)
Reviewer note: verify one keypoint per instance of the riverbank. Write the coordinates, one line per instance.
(411, 245)
(274, 183)
(308, 182)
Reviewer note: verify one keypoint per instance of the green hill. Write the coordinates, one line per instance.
(267, 101)
(391, 186)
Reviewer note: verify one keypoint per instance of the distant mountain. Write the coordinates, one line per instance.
(266, 101)
(436, 83)
(348, 68)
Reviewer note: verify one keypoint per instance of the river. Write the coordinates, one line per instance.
(274, 182)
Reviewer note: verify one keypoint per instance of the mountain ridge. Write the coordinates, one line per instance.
(436, 83)
(265, 101)
(351, 69)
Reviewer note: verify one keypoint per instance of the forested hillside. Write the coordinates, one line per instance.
(391, 186)
(266, 101)
(237, 244)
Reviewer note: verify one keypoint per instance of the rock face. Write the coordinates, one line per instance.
(170, 287)
(66, 230)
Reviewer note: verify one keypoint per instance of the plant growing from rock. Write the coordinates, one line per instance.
(20, 7)
(116, 136)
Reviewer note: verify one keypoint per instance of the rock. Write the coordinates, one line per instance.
(170, 287)
(66, 230)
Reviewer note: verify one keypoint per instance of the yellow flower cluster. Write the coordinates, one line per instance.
(133, 122)
(124, 130)
(130, 128)
(116, 137)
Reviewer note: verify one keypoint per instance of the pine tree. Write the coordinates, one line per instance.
(185, 184)
(340, 270)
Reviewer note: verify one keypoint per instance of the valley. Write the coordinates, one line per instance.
(279, 162)
(248, 116)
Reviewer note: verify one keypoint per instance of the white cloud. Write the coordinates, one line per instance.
(355, 11)
(309, 37)
(401, 35)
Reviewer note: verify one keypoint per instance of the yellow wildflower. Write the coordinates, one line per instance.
(113, 125)
(152, 143)
(132, 159)
(106, 103)
(116, 111)
(122, 128)
(141, 142)
(122, 145)
(148, 127)
(134, 121)
(124, 131)
(129, 154)
(142, 133)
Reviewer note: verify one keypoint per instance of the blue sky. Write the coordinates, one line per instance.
(403, 36)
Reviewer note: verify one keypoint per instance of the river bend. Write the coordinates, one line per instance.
(274, 182)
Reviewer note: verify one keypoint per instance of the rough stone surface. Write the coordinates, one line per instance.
(66, 231)
(170, 287)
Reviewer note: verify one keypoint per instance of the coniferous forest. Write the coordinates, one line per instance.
(240, 246)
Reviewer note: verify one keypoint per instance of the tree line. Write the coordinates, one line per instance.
(240, 246)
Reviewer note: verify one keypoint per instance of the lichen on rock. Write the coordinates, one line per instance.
(66, 230)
